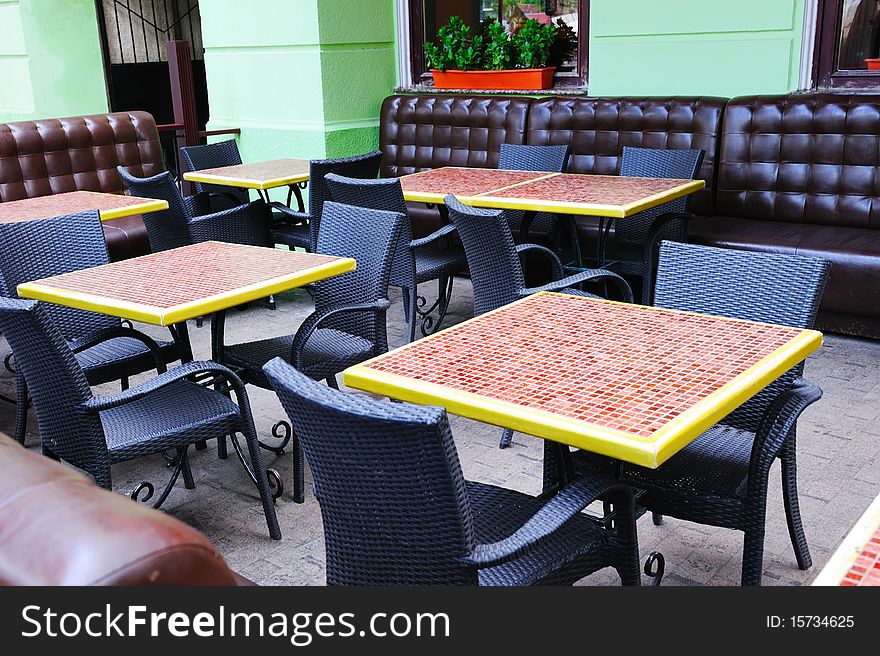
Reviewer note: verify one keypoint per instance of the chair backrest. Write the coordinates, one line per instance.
(168, 228)
(516, 157)
(389, 483)
(370, 237)
(766, 287)
(682, 163)
(57, 385)
(360, 167)
(30, 250)
(212, 155)
(496, 271)
(387, 195)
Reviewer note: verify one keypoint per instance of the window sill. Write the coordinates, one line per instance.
(559, 91)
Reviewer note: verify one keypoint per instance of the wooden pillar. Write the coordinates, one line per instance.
(183, 96)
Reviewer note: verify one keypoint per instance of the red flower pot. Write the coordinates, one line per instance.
(873, 64)
(515, 79)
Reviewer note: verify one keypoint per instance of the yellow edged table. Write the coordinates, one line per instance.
(857, 561)
(261, 176)
(630, 382)
(109, 206)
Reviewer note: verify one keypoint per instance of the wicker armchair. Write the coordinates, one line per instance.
(515, 157)
(637, 238)
(348, 324)
(32, 250)
(300, 229)
(397, 510)
(496, 271)
(186, 220)
(213, 155)
(167, 413)
(720, 478)
(435, 257)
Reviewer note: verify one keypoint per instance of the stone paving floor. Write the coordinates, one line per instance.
(839, 459)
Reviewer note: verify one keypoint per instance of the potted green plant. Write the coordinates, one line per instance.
(492, 59)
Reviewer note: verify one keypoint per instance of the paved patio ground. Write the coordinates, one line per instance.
(839, 458)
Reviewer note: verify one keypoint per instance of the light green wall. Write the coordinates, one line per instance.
(708, 47)
(50, 59)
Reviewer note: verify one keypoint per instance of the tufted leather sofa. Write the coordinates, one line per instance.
(51, 156)
(58, 528)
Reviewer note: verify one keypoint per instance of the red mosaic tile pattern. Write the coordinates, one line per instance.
(186, 274)
(262, 172)
(866, 570)
(463, 181)
(71, 202)
(618, 366)
(589, 189)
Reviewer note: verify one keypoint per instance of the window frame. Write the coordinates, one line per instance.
(826, 75)
(419, 75)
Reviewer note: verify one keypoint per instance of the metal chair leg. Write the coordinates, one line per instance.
(657, 518)
(793, 511)
(411, 313)
(753, 556)
(21, 408)
(331, 382)
(506, 439)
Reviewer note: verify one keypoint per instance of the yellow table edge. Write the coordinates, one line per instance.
(175, 314)
(650, 451)
(846, 554)
(246, 183)
(151, 205)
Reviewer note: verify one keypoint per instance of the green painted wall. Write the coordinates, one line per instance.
(50, 59)
(709, 47)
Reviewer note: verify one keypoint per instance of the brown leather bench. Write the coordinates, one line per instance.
(51, 156)
(58, 528)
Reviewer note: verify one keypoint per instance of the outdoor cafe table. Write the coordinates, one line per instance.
(857, 561)
(169, 287)
(262, 176)
(109, 206)
(630, 382)
(604, 196)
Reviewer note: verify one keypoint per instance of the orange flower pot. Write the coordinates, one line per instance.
(873, 64)
(515, 79)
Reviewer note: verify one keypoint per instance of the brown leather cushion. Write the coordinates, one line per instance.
(126, 237)
(597, 129)
(58, 528)
(802, 159)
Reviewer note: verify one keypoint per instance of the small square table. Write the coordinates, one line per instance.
(109, 206)
(260, 176)
(463, 182)
(630, 382)
(857, 560)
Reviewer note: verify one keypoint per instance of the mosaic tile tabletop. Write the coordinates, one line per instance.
(256, 175)
(857, 561)
(431, 186)
(110, 206)
(627, 381)
(184, 283)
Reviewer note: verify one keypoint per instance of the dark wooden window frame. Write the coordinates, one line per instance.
(825, 72)
(574, 79)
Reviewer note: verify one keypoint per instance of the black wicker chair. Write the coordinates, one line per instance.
(720, 478)
(167, 413)
(213, 155)
(397, 510)
(637, 238)
(435, 257)
(297, 229)
(496, 271)
(348, 324)
(37, 249)
(186, 220)
(516, 157)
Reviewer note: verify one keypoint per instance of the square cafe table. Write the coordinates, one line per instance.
(109, 206)
(260, 176)
(630, 382)
(857, 561)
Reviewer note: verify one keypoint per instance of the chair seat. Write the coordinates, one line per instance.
(327, 352)
(121, 357)
(569, 554)
(433, 263)
(295, 235)
(716, 464)
(173, 416)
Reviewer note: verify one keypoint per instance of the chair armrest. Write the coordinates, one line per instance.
(446, 230)
(314, 320)
(555, 262)
(290, 215)
(776, 425)
(101, 403)
(584, 276)
(660, 223)
(197, 204)
(115, 332)
(562, 507)
(244, 224)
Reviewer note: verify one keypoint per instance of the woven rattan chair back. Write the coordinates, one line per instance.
(30, 250)
(656, 163)
(496, 271)
(167, 228)
(210, 156)
(389, 483)
(516, 157)
(57, 385)
(766, 287)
